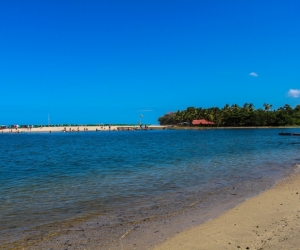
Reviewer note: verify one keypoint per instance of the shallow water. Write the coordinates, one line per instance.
(48, 178)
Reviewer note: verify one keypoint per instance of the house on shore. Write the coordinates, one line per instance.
(202, 122)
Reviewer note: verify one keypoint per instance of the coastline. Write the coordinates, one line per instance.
(270, 220)
(81, 128)
(204, 128)
(265, 219)
(93, 231)
(71, 129)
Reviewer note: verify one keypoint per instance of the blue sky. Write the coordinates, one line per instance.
(110, 61)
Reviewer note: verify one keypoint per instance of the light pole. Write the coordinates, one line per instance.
(141, 117)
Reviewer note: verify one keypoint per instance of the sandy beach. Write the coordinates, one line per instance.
(82, 128)
(46, 129)
(270, 220)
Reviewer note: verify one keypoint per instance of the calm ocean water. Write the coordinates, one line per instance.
(48, 178)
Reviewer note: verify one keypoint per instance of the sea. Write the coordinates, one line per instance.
(48, 178)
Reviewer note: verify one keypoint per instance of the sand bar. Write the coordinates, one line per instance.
(46, 129)
(270, 220)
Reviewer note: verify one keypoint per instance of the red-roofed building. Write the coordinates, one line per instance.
(202, 122)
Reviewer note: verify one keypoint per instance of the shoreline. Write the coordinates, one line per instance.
(148, 229)
(167, 231)
(70, 129)
(270, 220)
(204, 128)
(101, 128)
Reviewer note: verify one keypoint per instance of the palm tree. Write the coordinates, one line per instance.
(226, 107)
(288, 108)
(178, 116)
(235, 106)
(191, 114)
(246, 106)
(267, 106)
(251, 107)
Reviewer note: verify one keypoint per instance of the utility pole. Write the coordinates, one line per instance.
(141, 117)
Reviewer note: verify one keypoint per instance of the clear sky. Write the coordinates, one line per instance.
(108, 61)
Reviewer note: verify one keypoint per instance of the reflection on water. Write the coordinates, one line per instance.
(51, 177)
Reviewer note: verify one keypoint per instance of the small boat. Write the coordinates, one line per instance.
(282, 133)
(296, 134)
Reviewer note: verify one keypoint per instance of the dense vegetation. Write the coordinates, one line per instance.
(236, 116)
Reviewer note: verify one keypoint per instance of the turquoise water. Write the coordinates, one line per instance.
(48, 178)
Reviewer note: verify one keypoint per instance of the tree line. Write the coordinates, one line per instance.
(236, 116)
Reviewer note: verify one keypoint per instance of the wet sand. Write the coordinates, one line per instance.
(157, 227)
(270, 220)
